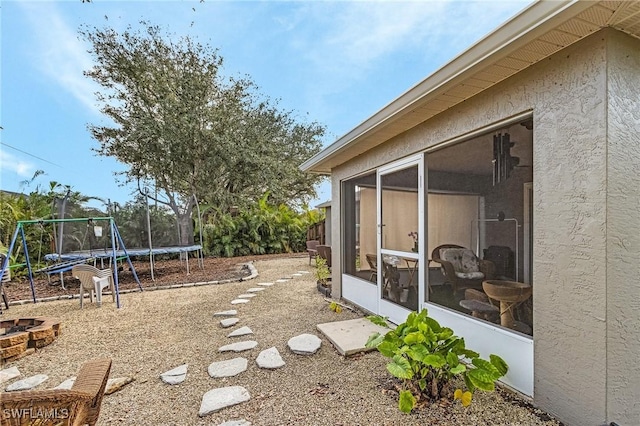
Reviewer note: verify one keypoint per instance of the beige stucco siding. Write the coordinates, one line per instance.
(623, 230)
(585, 269)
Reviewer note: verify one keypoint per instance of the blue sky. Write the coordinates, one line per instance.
(335, 62)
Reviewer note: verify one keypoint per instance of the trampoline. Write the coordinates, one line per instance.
(108, 253)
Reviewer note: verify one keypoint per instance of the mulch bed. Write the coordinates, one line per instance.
(166, 272)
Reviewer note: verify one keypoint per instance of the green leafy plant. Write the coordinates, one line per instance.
(427, 356)
(322, 271)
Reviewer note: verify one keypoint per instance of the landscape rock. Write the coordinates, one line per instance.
(270, 358)
(242, 331)
(246, 296)
(255, 289)
(176, 375)
(304, 344)
(282, 280)
(239, 301)
(228, 368)
(217, 399)
(228, 322)
(239, 346)
(265, 284)
(114, 385)
(228, 313)
(8, 374)
(241, 422)
(67, 384)
(28, 383)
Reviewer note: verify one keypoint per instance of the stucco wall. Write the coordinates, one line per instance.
(623, 230)
(585, 268)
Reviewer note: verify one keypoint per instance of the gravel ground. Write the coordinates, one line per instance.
(157, 331)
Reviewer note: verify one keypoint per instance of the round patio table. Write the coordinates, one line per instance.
(510, 294)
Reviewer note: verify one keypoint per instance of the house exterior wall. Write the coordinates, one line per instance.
(586, 240)
(623, 230)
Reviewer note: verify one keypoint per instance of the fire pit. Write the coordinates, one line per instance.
(22, 336)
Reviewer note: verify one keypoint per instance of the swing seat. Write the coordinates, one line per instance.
(93, 280)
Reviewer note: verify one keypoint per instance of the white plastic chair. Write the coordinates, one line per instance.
(93, 280)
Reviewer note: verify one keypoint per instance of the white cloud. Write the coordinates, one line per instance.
(60, 55)
(9, 162)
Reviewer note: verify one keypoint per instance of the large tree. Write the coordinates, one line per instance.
(187, 131)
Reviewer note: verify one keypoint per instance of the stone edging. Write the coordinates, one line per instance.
(252, 269)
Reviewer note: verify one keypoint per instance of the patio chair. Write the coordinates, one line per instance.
(79, 405)
(312, 249)
(372, 260)
(325, 253)
(461, 267)
(93, 280)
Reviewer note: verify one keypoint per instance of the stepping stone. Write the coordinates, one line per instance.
(304, 344)
(217, 399)
(114, 385)
(303, 272)
(265, 284)
(228, 368)
(255, 290)
(239, 346)
(239, 301)
(247, 296)
(282, 280)
(242, 331)
(8, 374)
(270, 358)
(228, 322)
(28, 383)
(175, 376)
(67, 384)
(241, 422)
(296, 275)
(228, 313)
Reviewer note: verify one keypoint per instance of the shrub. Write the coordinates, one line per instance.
(427, 356)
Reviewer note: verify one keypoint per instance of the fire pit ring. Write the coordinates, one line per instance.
(22, 336)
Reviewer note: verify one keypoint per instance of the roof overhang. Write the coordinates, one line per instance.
(540, 30)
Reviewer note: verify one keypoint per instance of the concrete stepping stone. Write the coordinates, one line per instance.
(8, 374)
(217, 399)
(228, 313)
(265, 284)
(282, 280)
(296, 274)
(303, 272)
(239, 301)
(241, 422)
(28, 383)
(239, 346)
(304, 344)
(229, 322)
(67, 384)
(114, 385)
(242, 331)
(176, 375)
(255, 289)
(228, 368)
(247, 296)
(270, 359)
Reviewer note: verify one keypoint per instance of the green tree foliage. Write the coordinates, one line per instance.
(182, 128)
(261, 228)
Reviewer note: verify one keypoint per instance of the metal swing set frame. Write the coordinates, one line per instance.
(66, 266)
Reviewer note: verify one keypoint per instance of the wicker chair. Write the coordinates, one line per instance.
(86, 275)
(79, 405)
(460, 275)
